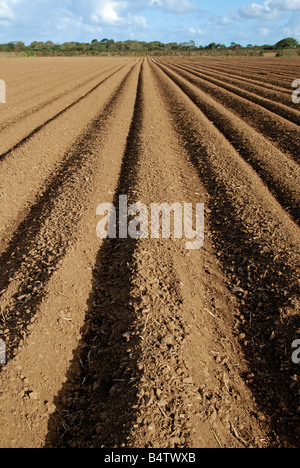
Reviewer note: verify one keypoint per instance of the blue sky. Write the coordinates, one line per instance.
(241, 21)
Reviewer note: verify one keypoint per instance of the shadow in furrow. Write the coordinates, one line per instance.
(42, 238)
(95, 407)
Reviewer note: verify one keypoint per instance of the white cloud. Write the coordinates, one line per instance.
(6, 10)
(286, 5)
(270, 9)
(197, 32)
(272, 19)
(225, 21)
(257, 11)
(177, 7)
(137, 21)
(107, 12)
(113, 13)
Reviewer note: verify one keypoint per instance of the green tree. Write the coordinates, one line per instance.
(20, 46)
(288, 43)
(171, 46)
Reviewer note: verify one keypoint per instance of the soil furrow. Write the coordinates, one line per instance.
(257, 247)
(265, 76)
(37, 129)
(28, 168)
(276, 94)
(138, 340)
(239, 78)
(33, 107)
(285, 135)
(292, 115)
(135, 381)
(102, 354)
(280, 173)
(55, 331)
(54, 79)
(41, 240)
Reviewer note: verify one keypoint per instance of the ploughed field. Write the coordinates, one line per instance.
(142, 342)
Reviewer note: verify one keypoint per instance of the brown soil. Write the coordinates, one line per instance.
(143, 343)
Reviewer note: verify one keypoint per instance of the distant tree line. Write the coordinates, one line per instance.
(131, 47)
